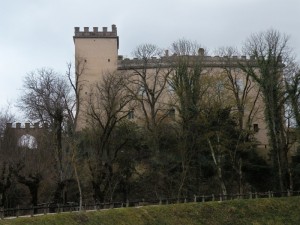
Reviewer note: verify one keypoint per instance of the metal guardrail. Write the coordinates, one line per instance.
(72, 207)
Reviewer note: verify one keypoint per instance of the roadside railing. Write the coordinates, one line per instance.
(50, 208)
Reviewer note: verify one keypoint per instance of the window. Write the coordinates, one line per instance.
(131, 114)
(239, 84)
(220, 86)
(170, 88)
(171, 113)
(255, 128)
(142, 90)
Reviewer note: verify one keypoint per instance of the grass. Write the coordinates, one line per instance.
(257, 211)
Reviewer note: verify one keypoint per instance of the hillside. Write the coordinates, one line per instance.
(256, 211)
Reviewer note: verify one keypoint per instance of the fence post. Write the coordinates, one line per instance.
(195, 198)
(256, 196)
(160, 201)
(17, 212)
(220, 197)
(203, 198)
(32, 211)
(250, 195)
(213, 197)
(2, 213)
(127, 203)
(288, 193)
(269, 194)
(185, 200)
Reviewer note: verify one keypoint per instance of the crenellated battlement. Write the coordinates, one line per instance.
(95, 33)
(209, 61)
(26, 126)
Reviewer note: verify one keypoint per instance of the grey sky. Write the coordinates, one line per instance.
(37, 34)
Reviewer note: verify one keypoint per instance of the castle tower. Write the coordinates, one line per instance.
(96, 53)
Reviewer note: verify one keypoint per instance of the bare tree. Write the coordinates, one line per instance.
(147, 84)
(188, 90)
(292, 84)
(246, 95)
(270, 52)
(216, 125)
(77, 84)
(183, 47)
(6, 116)
(5, 159)
(106, 108)
(47, 98)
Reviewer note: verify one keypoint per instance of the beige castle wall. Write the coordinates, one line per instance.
(99, 52)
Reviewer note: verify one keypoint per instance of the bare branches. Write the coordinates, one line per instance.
(108, 100)
(269, 45)
(6, 116)
(46, 96)
(269, 51)
(147, 85)
(77, 84)
(147, 51)
(186, 47)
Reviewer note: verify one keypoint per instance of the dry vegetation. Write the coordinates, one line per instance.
(258, 211)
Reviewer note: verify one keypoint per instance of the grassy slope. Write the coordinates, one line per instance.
(257, 211)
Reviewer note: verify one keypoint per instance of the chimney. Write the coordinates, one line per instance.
(201, 51)
(167, 53)
(114, 28)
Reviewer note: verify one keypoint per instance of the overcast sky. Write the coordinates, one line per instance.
(38, 33)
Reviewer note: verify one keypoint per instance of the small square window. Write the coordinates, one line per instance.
(141, 90)
(130, 115)
(255, 128)
(171, 113)
(220, 86)
(239, 84)
(170, 88)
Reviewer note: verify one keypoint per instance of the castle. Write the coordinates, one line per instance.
(98, 51)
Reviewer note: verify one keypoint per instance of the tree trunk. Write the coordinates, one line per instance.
(218, 168)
